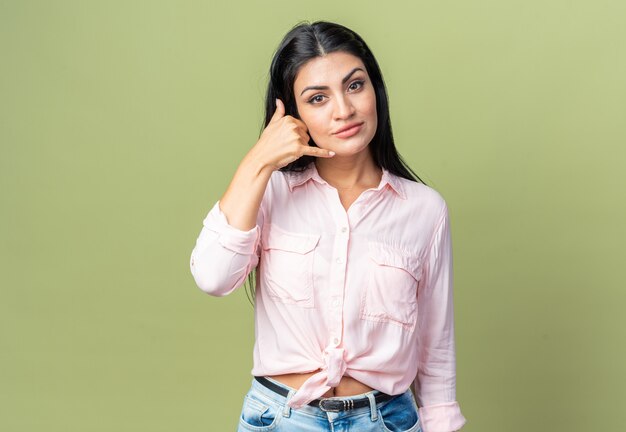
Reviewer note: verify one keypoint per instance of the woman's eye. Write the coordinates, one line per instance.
(357, 82)
(315, 98)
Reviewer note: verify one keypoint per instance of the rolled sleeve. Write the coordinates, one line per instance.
(435, 383)
(234, 239)
(223, 255)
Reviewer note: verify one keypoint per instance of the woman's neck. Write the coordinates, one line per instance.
(349, 173)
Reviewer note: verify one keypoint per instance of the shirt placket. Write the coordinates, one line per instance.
(335, 355)
(338, 279)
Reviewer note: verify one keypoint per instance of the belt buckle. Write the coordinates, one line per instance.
(322, 400)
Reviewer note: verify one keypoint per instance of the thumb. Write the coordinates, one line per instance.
(280, 110)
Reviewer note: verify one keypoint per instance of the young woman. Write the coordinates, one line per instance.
(353, 258)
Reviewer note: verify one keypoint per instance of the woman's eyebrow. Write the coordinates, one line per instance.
(343, 81)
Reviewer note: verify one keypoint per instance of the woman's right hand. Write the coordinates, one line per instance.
(284, 140)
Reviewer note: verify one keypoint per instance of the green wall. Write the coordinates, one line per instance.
(122, 122)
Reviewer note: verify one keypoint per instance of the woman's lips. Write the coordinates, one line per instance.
(350, 132)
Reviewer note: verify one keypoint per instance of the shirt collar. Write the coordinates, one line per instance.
(296, 178)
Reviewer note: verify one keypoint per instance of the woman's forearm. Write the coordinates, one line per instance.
(242, 199)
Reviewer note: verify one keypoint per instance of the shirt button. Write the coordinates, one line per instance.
(339, 260)
(344, 229)
(335, 302)
(335, 341)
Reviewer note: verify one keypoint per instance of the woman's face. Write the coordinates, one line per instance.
(332, 92)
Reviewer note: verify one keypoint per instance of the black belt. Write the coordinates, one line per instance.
(326, 404)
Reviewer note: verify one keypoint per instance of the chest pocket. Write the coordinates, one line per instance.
(287, 265)
(390, 294)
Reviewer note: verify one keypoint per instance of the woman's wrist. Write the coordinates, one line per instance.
(254, 163)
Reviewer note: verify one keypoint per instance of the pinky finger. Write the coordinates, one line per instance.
(319, 152)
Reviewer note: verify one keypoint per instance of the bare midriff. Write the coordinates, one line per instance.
(348, 386)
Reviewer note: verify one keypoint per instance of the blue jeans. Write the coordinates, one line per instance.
(265, 410)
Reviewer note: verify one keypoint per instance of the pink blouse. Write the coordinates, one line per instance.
(365, 292)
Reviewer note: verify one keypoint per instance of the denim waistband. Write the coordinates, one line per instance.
(312, 410)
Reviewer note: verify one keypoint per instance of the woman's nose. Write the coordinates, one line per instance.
(343, 108)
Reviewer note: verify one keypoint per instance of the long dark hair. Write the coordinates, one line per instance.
(306, 41)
